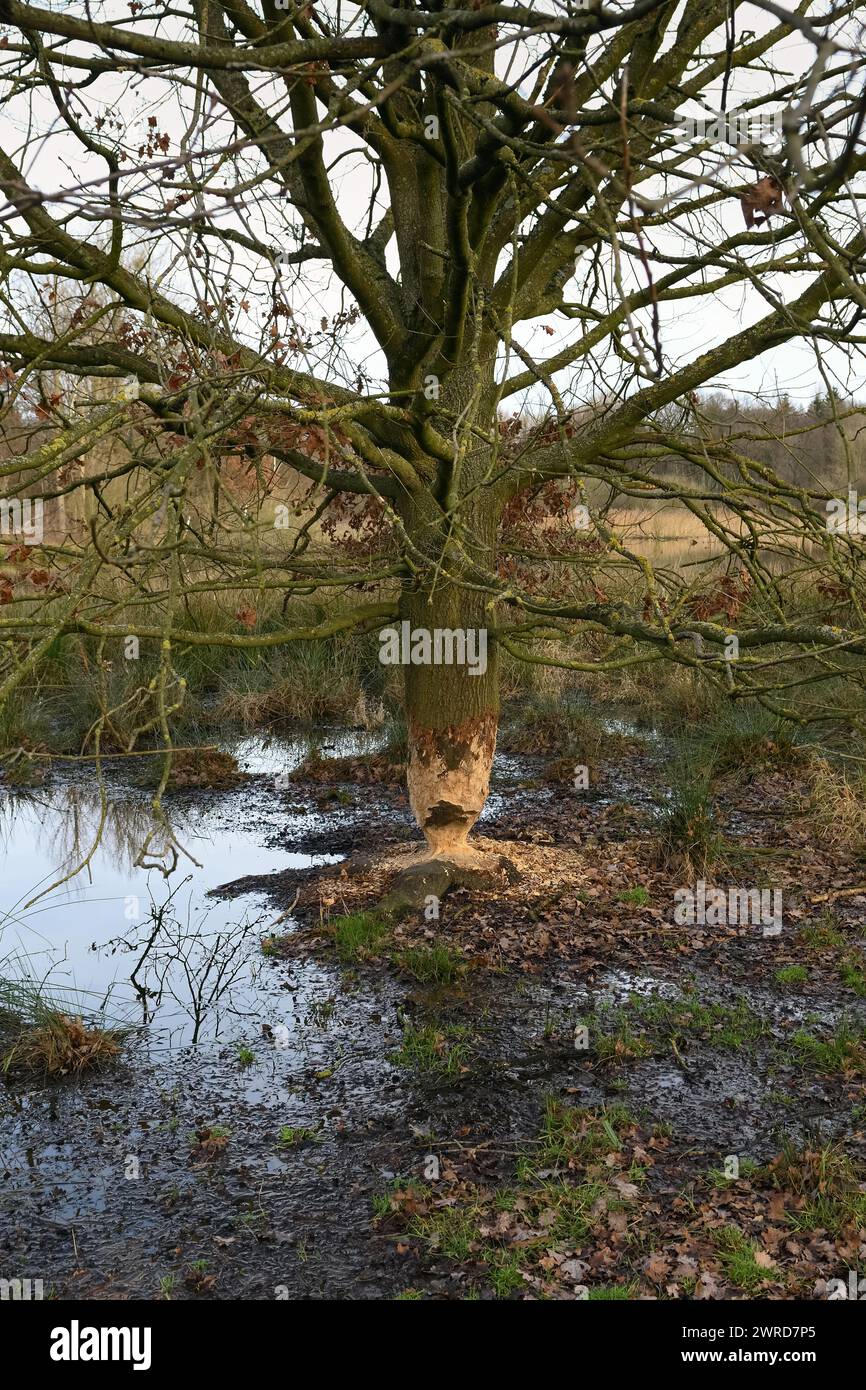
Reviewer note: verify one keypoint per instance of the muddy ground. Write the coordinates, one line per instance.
(556, 1118)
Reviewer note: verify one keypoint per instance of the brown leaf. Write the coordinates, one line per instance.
(762, 201)
(657, 1268)
(707, 1286)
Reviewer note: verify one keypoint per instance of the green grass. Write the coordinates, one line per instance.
(853, 974)
(748, 1168)
(381, 1205)
(452, 1232)
(570, 1137)
(645, 1027)
(737, 1257)
(622, 1044)
(291, 1136)
(826, 936)
(560, 1193)
(615, 1293)
(843, 1052)
(792, 975)
(831, 1214)
(746, 740)
(831, 1184)
(638, 896)
(822, 935)
(436, 1053)
(360, 935)
(727, 1025)
(505, 1273)
(437, 964)
(465, 1231)
(688, 837)
(398, 1189)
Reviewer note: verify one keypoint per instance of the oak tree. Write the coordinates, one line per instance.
(432, 257)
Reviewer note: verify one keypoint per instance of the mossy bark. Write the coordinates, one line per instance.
(452, 717)
(452, 710)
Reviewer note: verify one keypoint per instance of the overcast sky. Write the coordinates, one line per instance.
(56, 163)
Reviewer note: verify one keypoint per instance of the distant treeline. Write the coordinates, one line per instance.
(821, 445)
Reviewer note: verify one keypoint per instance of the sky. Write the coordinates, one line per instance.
(56, 164)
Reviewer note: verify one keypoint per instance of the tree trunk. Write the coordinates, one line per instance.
(452, 707)
(452, 715)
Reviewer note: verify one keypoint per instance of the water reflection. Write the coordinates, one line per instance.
(66, 827)
(206, 971)
(80, 910)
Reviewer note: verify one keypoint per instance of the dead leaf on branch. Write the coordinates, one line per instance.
(763, 201)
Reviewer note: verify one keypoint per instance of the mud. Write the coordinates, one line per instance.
(104, 1190)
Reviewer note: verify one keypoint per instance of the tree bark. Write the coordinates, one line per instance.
(452, 710)
(452, 717)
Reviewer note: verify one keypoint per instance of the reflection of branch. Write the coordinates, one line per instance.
(210, 964)
(157, 919)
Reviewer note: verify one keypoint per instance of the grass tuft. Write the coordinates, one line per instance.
(738, 1259)
(688, 837)
(431, 965)
(360, 935)
(437, 1053)
(792, 975)
(51, 1037)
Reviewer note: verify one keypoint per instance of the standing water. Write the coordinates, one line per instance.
(133, 936)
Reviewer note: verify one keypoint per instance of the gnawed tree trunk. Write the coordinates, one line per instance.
(452, 717)
(452, 709)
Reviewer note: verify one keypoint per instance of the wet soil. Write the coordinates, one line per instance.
(105, 1192)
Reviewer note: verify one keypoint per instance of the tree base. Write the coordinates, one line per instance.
(433, 876)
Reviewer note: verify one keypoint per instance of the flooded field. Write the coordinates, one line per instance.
(264, 1104)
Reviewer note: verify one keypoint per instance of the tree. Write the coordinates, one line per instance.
(452, 185)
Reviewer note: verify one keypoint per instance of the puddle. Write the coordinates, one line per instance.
(276, 757)
(146, 939)
(142, 939)
(227, 1037)
(69, 1147)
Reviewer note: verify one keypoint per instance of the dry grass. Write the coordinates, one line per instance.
(670, 533)
(838, 809)
(205, 767)
(553, 725)
(59, 1045)
(287, 702)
